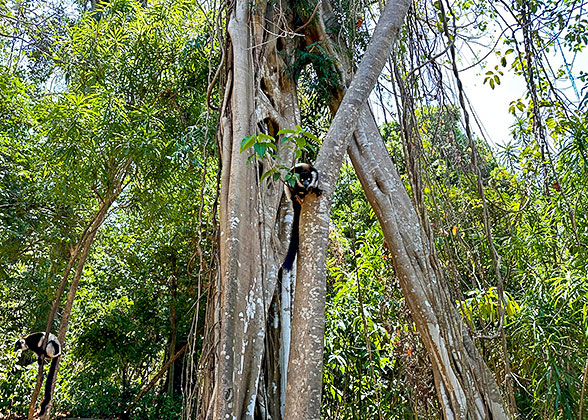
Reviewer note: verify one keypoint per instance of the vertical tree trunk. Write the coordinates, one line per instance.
(74, 253)
(174, 331)
(260, 97)
(84, 251)
(303, 397)
(241, 311)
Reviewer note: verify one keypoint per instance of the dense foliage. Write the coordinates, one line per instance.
(123, 101)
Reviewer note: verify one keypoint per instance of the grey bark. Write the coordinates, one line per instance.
(466, 387)
(73, 288)
(303, 394)
(253, 226)
(241, 308)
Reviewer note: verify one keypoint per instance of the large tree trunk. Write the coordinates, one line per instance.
(465, 385)
(260, 97)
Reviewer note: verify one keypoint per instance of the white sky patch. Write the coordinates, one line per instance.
(491, 106)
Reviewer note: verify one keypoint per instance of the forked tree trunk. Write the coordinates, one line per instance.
(260, 96)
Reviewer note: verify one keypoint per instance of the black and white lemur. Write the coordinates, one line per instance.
(306, 182)
(34, 342)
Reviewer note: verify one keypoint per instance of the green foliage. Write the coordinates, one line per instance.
(374, 363)
(118, 95)
(264, 145)
(539, 238)
(485, 305)
(129, 108)
(553, 323)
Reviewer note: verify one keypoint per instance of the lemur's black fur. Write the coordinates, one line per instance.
(52, 351)
(306, 182)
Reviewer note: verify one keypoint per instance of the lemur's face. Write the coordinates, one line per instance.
(20, 345)
(306, 178)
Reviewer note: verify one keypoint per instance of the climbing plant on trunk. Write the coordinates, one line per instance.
(261, 98)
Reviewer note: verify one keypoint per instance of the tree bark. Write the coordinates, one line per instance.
(303, 394)
(74, 253)
(260, 97)
(84, 251)
(241, 308)
(465, 386)
(174, 329)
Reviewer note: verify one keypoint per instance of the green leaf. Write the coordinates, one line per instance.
(268, 173)
(265, 137)
(300, 141)
(260, 149)
(290, 178)
(310, 136)
(286, 131)
(247, 142)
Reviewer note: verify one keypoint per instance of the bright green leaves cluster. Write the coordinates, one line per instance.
(261, 143)
(493, 76)
(265, 145)
(126, 70)
(299, 139)
(485, 305)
